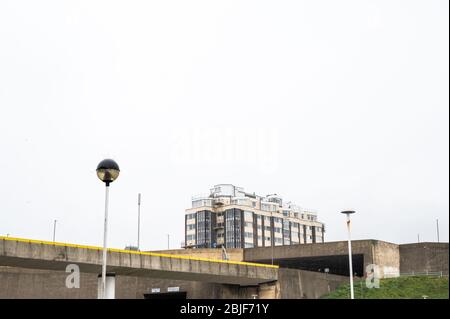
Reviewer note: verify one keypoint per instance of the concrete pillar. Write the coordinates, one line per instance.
(269, 291)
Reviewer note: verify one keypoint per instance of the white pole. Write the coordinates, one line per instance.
(104, 244)
(139, 220)
(437, 229)
(352, 295)
(54, 230)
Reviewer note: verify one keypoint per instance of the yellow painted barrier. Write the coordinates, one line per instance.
(115, 250)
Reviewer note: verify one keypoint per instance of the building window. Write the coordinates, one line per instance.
(204, 229)
(233, 228)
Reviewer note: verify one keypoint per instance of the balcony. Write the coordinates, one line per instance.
(200, 197)
(241, 202)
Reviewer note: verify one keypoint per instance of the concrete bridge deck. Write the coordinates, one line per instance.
(331, 255)
(37, 254)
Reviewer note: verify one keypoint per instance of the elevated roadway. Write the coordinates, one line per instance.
(38, 254)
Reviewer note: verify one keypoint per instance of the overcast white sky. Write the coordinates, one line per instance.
(331, 104)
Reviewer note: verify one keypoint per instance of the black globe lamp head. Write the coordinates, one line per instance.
(108, 171)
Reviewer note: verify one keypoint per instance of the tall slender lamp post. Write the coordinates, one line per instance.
(348, 213)
(107, 172)
(139, 221)
(54, 230)
(437, 229)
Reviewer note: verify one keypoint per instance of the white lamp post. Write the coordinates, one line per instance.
(348, 213)
(107, 172)
(54, 230)
(139, 221)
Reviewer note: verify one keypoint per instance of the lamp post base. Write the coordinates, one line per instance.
(110, 292)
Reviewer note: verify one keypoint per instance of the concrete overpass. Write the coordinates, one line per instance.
(331, 255)
(392, 259)
(200, 272)
(37, 254)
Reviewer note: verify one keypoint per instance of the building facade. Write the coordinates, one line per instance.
(232, 218)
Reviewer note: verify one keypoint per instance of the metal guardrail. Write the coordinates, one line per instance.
(439, 273)
(424, 273)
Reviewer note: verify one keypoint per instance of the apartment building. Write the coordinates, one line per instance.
(232, 218)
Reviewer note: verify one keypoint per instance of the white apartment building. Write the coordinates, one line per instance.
(233, 218)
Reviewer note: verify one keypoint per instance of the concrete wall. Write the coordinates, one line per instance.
(387, 257)
(310, 250)
(31, 283)
(45, 284)
(423, 257)
(297, 284)
(48, 284)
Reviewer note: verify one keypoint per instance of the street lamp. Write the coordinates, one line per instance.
(348, 213)
(107, 172)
